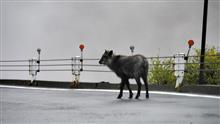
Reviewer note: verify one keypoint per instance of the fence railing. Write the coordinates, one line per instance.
(66, 65)
(171, 65)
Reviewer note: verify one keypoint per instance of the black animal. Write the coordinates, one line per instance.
(127, 67)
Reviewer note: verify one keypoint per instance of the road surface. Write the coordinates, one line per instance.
(27, 105)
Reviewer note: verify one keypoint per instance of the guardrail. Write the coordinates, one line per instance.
(89, 65)
(66, 65)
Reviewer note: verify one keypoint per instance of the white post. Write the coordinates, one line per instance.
(179, 68)
(33, 70)
(34, 67)
(76, 70)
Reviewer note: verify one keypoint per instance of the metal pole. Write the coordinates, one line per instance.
(81, 46)
(81, 60)
(38, 61)
(132, 49)
(203, 43)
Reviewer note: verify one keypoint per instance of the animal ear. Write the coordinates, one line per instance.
(110, 53)
(106, 51)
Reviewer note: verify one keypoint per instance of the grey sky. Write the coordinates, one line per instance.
(154, 27)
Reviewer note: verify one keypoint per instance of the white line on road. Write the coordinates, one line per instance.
(156, 92)
(103, 90)
(33, 88)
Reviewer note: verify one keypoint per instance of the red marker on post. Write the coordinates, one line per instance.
(81, 46)
(190, 43)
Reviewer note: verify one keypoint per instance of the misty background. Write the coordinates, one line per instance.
(154, 27)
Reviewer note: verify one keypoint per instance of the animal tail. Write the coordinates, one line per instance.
(145, 74)
(146, 65)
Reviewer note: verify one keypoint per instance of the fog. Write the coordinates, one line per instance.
(155, 28)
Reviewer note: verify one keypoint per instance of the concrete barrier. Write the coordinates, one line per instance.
(200, 89)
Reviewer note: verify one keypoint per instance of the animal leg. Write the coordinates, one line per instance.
(139, 87)
(130, 91)
(121, 90)
(146, 85)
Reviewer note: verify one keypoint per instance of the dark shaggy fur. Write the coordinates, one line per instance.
(127, 67)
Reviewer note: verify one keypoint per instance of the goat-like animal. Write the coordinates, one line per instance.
(127, 67)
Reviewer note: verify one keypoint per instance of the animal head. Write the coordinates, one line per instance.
(106, 57)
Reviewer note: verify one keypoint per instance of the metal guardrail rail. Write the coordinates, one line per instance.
(65, 64)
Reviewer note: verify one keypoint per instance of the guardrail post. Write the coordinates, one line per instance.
(32, 70)
(75, 64)
(34, 67)
(179, 69)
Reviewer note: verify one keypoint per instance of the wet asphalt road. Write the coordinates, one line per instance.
(35, 106)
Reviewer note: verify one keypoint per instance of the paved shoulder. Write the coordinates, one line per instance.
(67, 106)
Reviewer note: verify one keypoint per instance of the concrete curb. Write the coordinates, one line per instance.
(199, 89)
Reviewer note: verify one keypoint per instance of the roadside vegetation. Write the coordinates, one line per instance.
(161, 71)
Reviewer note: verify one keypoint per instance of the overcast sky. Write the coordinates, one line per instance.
(154, 27)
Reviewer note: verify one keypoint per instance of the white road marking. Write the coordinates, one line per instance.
(155, 92)
(33, 88)
(106, 90)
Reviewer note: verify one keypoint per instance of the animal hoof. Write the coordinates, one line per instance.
(119, 96)
(131, 96)
(147, 96)
(137, 97)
